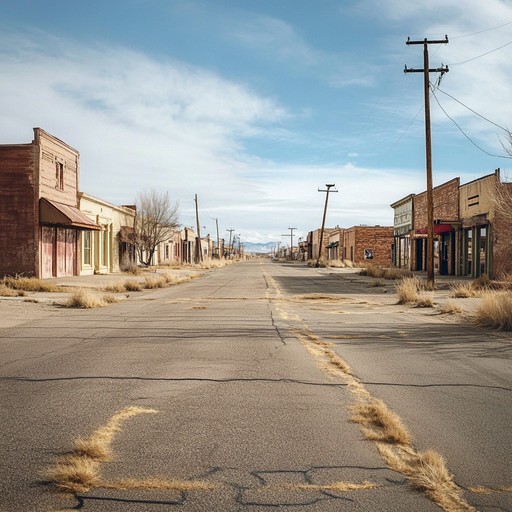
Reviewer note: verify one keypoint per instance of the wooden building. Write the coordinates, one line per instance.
(40, 222)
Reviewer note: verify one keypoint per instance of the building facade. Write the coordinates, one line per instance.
(39, 215)
(106, 250)
(403, 231)
(470, 237)
(368, 244)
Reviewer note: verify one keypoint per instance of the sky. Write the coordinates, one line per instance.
(255, 105)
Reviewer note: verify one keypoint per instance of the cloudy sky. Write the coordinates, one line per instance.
(255, 104)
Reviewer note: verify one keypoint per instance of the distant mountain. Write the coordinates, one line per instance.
(259, 248)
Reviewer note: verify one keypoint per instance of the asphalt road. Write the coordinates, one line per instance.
(242, 405)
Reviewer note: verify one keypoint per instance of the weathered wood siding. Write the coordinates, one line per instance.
(19, 210)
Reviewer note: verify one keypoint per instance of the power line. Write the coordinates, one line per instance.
(480, 56)
(482, 31)
(474, 111)
(463, 132)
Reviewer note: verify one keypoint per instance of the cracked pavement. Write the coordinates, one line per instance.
(242, 404)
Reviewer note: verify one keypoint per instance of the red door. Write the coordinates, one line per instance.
(47, 244)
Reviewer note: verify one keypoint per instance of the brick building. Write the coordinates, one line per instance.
(470, 237)
(368, 244)
(40, 222)
(446, 222)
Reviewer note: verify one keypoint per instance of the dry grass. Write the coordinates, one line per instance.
(74, 474)
(424, 300)
(87, 299)
(464, 291)
(378, 272)
(495, 310)
(451, 308)
(30, 284)
(79, 471)
(132, 286)
(320, 297)
(335, 264)
(340, 486)
(379, 423)
(115, 287)
(154, 282)
(480, 489)
(408, 290)
(427, 472)
(6, 291)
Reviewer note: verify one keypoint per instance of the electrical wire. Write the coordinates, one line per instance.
(462, 131)
(482, 31)
(471, 110)
(480, 56)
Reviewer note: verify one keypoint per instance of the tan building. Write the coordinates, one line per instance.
(403, 231)
(484, 237)
(105, 250)
(40, 219)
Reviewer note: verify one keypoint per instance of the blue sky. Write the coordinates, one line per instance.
(255, 104)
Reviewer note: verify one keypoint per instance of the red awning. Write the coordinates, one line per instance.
(438, 229)
(58, 214)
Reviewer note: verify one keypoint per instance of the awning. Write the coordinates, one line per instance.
(58, 214)
(438, 229)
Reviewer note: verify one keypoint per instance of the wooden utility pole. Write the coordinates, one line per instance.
(199, 249)
(230, 249)
(218, 238)
(323, 221)
(291, 241)
(428, 146)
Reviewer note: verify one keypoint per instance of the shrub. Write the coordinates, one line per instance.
(154, 282)
(451, 308)
(6, 291)
(132, 286)
(30, 284)
(463, 291)
(496, 310)
(407, 290)
(115, 288)
(84, 299)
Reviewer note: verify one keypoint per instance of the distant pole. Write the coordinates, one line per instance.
(199, 249)
(218, 239)
(291, 241)
(323, 220)
(229, 245)
(428, 149)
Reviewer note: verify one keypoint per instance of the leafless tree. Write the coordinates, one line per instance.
(503, 224)
(155, 219)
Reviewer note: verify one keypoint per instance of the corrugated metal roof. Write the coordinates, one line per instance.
(52, 212)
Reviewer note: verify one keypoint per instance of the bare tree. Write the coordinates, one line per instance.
(503, 224)
(155, 219)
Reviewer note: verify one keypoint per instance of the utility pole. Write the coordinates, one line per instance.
(328, 190)
(291, 241)
(218, 238)
(199, 249)
(428, 146)
(230, 235)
